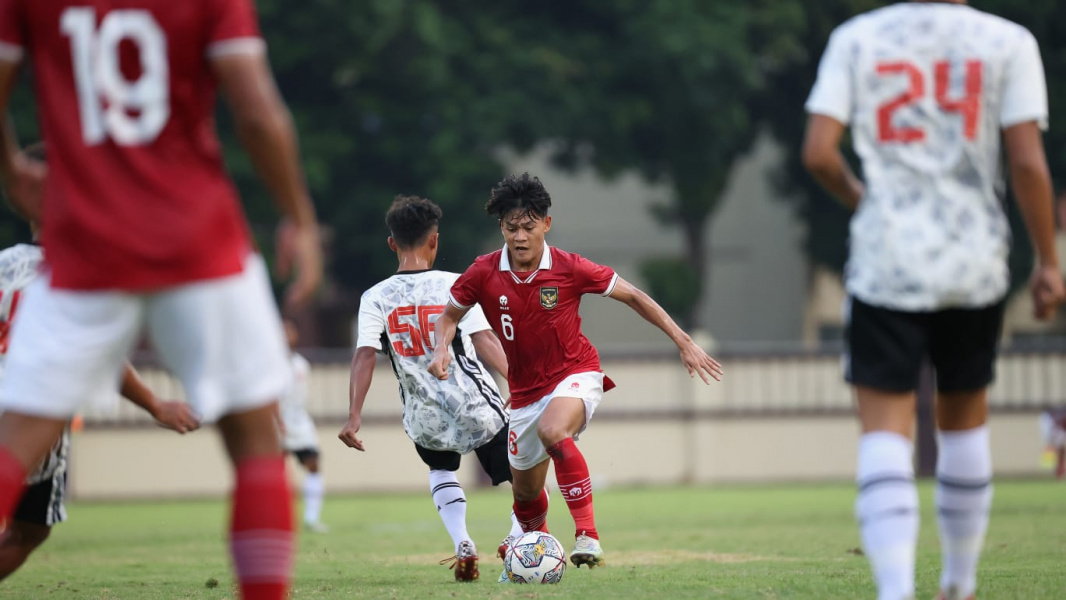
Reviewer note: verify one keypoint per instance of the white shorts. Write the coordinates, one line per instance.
(524, 448)
(300, 433)
(221, 338)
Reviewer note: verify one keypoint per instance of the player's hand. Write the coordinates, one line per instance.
(1046, 287)
(439, 367)
(698, 362)
(176, 416)
(347, 434)
(298, 247)
(25, 186)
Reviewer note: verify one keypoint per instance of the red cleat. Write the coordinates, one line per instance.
(505, 545)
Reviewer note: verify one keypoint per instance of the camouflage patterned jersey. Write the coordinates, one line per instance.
(396, 317)
(926, 89)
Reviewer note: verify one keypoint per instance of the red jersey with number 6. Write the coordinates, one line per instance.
(137, 197)
(536, 316)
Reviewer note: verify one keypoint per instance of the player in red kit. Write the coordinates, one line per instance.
(530, 293)
(142, 229)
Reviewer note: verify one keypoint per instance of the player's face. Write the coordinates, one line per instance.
(524, 234)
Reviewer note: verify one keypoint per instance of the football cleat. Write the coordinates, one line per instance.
(587, 551)
(316, 527)
(501, 552)
(503, 577)
(464, 563)
(953, 594)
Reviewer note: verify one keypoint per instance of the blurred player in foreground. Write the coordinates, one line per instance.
(141, 226)
(300, 438)
(42, 505)
(530, 294)
(929, 89)
(445, 419)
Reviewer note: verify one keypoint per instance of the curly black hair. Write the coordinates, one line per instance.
(523, 193)
(411, 218)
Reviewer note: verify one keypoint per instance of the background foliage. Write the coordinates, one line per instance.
(420, 97)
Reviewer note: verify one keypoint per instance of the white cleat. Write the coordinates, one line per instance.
(587, 551)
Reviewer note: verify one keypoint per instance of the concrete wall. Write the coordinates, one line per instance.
(772, 419)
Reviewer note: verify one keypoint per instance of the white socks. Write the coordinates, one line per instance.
(963, 501)
(516, 527)
(451, 504)
(313, 489)
(887, 511)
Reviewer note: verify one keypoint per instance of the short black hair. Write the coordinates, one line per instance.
(411, 218)
(523, 193)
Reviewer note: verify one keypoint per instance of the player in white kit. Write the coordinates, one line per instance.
(929, 89)
(300, 438)
(445, 419)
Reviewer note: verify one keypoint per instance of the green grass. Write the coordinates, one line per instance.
(725, 542)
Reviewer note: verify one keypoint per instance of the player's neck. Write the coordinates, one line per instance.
(414, 260)
(531, 265)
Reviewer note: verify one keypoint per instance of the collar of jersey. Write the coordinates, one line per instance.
(545, 263)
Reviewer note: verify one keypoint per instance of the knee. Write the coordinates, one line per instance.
(25, 537)
(551, 434)
(525, 493)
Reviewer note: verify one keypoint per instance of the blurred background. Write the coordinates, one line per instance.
(667, 132)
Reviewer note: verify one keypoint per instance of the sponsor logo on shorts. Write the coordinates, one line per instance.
(549, 297)
(575, 386)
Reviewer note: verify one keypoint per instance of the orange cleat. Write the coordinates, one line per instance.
(464, 563)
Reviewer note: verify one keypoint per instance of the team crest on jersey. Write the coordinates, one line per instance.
(549, 297)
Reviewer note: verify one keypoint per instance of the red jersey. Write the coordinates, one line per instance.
(535, 315)
(137, 197)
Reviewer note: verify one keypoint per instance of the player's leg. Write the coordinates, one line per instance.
(885, 349)
(450, 500)
(25, 441)
(17, 542)
(566, 415)
(963, 349)
(223, 339)
(313, 488)
(493, 458)
(41, 507)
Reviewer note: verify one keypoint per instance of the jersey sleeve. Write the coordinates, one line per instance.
(12, 30)
(1024, 89)
(592, 278)
(474, 321)
(464, 291)
(833, 91)
(233, 28)
(371, 326)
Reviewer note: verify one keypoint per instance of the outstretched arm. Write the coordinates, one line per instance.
(695, 359)
(824, 161)
(264, 126)
(490, 350)
(169, 414)
(358, 385)
(444, 332)
(1031, 181)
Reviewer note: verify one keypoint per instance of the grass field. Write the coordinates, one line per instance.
(762, 542)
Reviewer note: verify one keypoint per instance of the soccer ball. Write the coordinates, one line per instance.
(536, 557)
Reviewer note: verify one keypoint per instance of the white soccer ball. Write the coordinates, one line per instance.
(536, 557)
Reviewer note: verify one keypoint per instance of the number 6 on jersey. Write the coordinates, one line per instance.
(132, 113)
(507, 327)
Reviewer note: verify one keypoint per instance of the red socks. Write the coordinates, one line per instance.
(572, 474)
(261, 532)
(12, 484)
(532, 515)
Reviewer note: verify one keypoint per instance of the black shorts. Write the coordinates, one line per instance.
(304, 454)
(492, 455)
(42, 504)
(885, 347)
